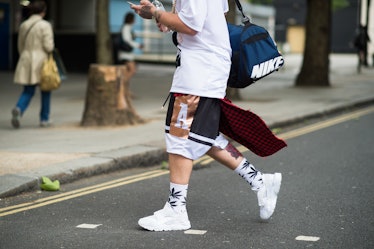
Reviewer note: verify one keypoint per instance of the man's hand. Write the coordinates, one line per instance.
(145, 9)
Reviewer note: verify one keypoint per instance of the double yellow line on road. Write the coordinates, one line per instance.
(80, 192)
(155, 173)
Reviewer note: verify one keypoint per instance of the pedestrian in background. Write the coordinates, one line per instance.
(361, 43)
(35, 41)
(193, 116)
(128, 57)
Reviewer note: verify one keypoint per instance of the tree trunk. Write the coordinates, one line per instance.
(108, 100)
(315, 68)
(103, 39)
(232, 93)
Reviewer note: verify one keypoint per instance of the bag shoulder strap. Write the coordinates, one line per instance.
(24, 40)
(173, 7)
(28, 31)
(245, 19)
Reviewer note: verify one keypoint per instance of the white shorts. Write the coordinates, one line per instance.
(192, 125)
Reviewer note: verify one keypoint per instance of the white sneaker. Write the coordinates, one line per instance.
(165, 219)
(267, 195)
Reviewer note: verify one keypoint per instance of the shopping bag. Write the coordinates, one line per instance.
(50, 77)
(60, 64)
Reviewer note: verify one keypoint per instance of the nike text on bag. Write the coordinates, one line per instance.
(254, 53)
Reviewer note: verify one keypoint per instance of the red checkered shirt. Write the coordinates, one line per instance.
(248, 129)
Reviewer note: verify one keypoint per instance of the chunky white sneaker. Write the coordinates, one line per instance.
(268, 193)
(165, 219)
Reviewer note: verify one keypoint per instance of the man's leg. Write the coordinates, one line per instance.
(230, 156)
(265, 185)
(180, 169)
(174, 214)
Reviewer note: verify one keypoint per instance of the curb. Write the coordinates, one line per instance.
(333, 110)
(124, 158)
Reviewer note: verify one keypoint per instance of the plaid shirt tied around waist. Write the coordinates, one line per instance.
(248, 129)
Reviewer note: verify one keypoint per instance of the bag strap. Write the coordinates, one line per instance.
(245, 19)
(24, 40)
(27, 33)
(173, 7)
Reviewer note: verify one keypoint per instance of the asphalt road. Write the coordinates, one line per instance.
(326, 201)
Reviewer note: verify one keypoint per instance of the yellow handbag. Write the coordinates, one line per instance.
(50, 77)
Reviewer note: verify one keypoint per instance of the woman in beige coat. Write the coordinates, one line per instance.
(35, 41)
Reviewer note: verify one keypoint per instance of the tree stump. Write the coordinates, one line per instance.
(108, 100)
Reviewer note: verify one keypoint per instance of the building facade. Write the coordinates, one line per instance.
(290, 25)
(74, 25)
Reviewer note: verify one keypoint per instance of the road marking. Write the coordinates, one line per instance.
(88, 226)
(155, 173)
(195, 232)
(307, 238)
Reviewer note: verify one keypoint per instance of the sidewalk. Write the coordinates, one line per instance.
(68, 151)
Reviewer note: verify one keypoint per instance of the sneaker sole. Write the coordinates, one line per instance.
(168, 228)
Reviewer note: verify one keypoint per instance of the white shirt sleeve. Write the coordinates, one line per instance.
(193, 13)
(225, 6)
(127, 36)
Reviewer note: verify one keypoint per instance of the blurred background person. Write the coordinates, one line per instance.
(361, 43)
(35, 41)
(128, 57)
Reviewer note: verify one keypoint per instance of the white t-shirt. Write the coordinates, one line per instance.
(206, 56)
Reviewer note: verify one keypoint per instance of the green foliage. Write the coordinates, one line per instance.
(262, 2)
(339, 4)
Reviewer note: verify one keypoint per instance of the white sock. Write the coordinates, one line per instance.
(178, 197)
(254, 177)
